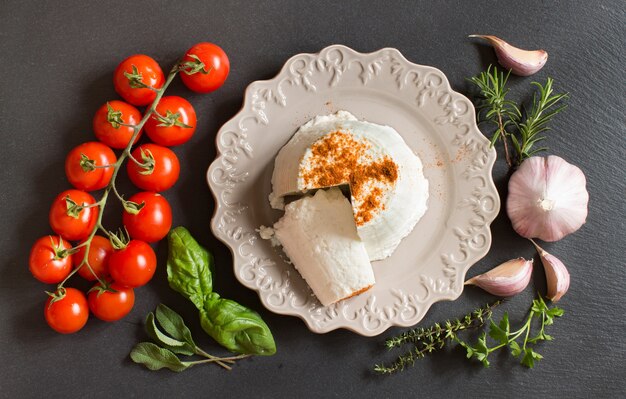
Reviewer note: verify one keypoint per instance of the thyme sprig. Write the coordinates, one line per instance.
(428, 340)
(522, 129)
(444, 330)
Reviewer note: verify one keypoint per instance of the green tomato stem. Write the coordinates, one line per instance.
(135, 160)
(109, 165)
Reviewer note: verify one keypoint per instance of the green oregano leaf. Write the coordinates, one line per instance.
(156, 358)
(165, 341)
(173, 324)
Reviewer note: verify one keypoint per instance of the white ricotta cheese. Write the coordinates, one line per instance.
(318, 234)
(400, 205)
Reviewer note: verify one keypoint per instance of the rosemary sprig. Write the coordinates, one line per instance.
(428, 340)
(544, 107)
(523, 132)
(493, 106)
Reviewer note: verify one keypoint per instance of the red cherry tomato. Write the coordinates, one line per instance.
(134, 265)
(110, 306)
(99, 252)
(176, 124)
(112, 133)
(81, 171)
(164, 172)
(47, 263)
(68, 314)
(134, 71)
(212, 74)
(153, 221)
(65, 218)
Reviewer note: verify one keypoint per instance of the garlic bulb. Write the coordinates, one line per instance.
(520, 62)
(557, 276)
(547, 198)
(505, 280)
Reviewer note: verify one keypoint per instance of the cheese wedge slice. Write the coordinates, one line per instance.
(318, 234)
(387, 185)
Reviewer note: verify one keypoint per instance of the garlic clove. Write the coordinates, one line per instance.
(520, 62)
(557, 276)
(547, 198)
(507, 279)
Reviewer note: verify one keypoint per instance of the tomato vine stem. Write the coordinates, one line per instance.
(111, 186)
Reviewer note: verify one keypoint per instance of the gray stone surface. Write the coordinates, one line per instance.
(57, 60)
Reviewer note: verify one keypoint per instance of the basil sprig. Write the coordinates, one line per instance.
(232, 325)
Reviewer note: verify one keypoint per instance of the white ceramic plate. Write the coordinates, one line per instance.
(435, 121)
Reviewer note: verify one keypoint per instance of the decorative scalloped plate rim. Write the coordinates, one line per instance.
(468, 206)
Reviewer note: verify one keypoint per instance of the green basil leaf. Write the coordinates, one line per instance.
(173, 324)
(189, 266)
(165, 341)
(156, 358)
(236, 327)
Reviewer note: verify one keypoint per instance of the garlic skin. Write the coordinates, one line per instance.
(507, 279)
(520, 62)
(547, 198)
(557, 276)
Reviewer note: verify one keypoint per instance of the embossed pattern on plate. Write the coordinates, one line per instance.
(436, 122)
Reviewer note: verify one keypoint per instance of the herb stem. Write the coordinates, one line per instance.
(524, 328)
(527, 330)
(505, 141)
(218, 360)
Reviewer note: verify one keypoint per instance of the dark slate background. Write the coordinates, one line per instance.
(57, 59)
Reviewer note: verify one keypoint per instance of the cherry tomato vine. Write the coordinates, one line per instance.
(76, 215)
(129, 206)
